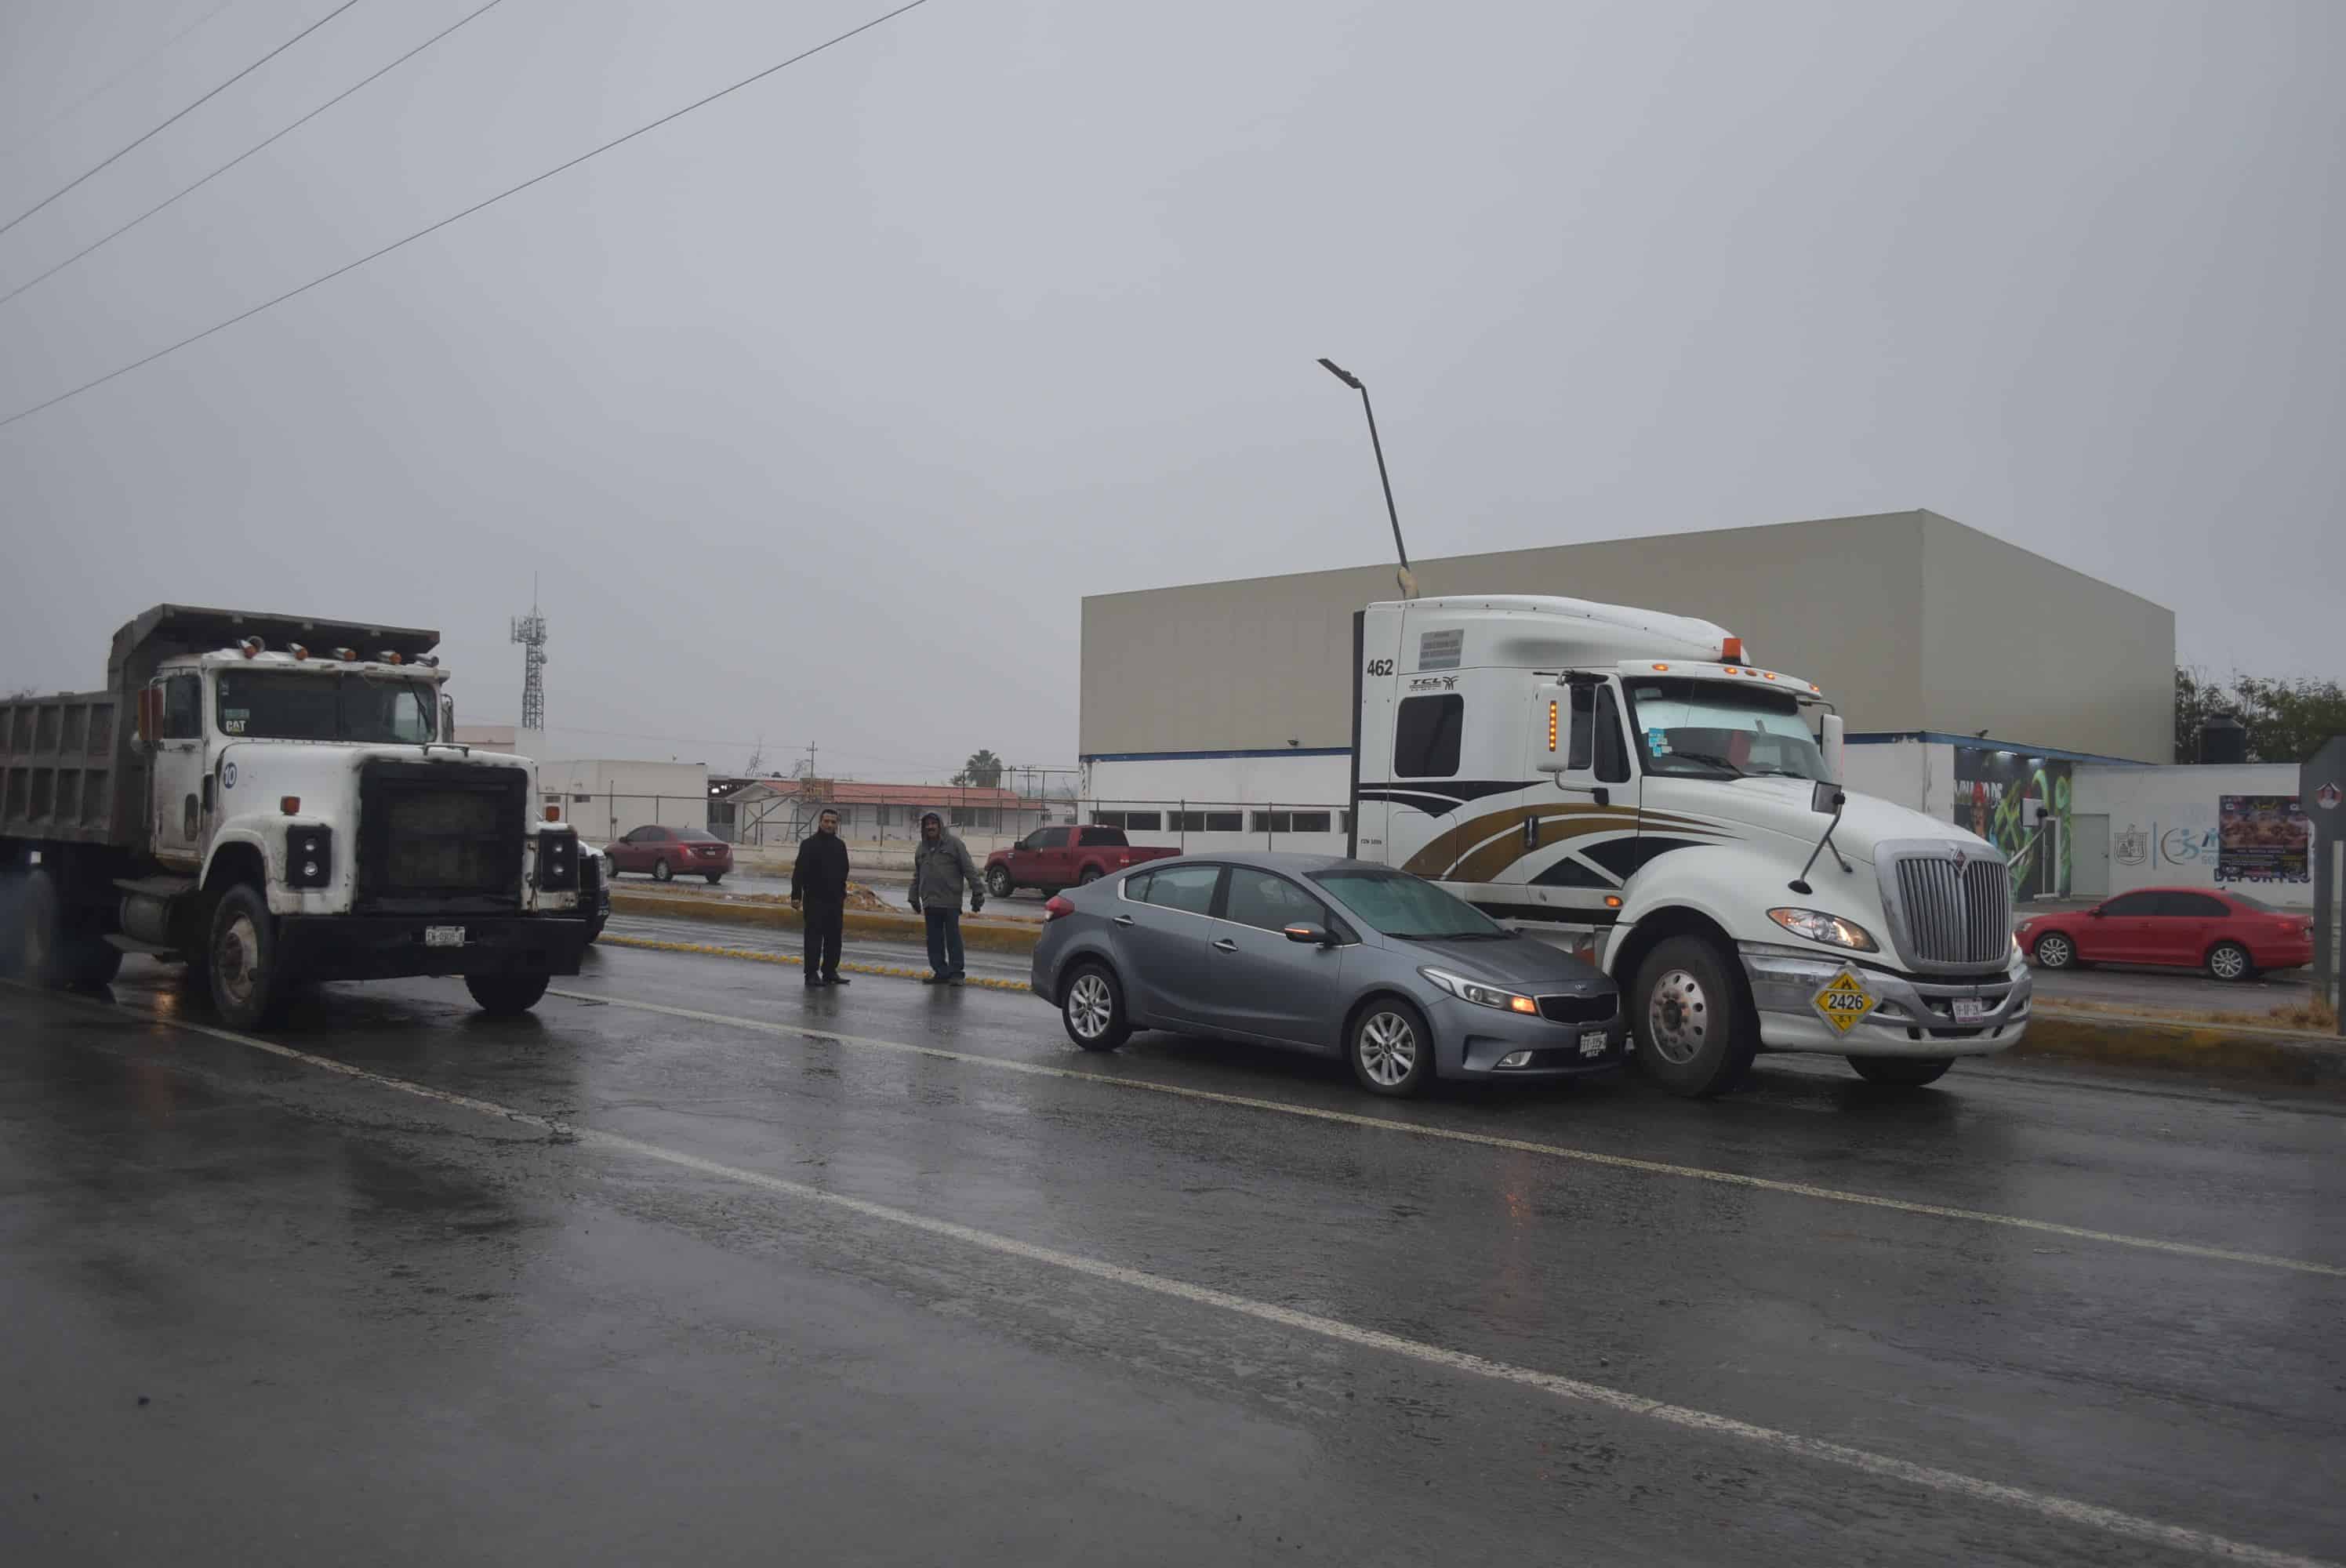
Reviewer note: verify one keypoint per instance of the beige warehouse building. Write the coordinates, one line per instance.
(1970, 671)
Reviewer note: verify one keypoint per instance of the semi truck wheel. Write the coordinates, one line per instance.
(1696, 1035)
(49, 947)
(240, 963)
(998, 882)
(506, 996)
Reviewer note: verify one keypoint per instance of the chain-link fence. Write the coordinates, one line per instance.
(986, 819)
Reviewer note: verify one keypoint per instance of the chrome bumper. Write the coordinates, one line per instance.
(1911, 1015)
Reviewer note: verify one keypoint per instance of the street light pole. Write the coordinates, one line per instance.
(1407, 579)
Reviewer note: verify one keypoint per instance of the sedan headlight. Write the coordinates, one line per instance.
(1480, 995)
(1830, 929)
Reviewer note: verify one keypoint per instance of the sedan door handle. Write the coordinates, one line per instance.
(1126, 920)
(1226, 945)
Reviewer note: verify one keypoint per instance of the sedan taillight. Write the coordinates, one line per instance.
(1056, 907)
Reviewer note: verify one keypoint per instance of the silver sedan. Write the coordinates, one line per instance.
(1320, 953)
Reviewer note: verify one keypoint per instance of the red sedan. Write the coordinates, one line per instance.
(668, 853)
(2228, 934)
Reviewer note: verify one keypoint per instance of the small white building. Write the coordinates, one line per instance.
(2240, 827)
(607, 797)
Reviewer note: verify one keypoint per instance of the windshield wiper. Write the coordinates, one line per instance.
(1706, 759)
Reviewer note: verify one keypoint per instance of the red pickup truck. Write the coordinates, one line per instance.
(1054, 858)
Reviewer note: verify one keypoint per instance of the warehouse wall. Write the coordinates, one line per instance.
(1258, 663)
(2038, 655)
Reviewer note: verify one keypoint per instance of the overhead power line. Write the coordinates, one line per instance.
(66, 113)
(175, 119)
(459, 216)
(248, 152)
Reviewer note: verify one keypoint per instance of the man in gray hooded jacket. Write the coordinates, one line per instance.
(944, 875)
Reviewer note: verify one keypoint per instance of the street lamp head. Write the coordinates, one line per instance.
(1342, 375)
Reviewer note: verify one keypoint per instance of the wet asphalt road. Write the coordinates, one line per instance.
(615, 1283)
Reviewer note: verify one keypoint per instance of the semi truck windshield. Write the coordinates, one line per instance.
(281, 705)
(1716, 727)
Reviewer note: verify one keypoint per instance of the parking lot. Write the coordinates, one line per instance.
(694, 1265)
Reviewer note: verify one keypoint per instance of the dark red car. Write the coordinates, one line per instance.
(1054, 858)
(667, 852)
(2228, 934)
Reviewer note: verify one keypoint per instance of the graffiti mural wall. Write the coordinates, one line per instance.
(2021, 805)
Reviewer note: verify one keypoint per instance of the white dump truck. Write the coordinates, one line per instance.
(276, 799)
(1634, 786)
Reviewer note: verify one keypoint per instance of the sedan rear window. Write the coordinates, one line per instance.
(1189, 888)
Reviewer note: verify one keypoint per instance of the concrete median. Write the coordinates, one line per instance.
(984, 935)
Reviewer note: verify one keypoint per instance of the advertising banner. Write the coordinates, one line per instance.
(2263, 839)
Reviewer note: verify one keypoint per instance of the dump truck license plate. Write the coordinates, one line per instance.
(443, 936)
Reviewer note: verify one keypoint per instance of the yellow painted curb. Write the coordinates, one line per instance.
(2214, 1049)
(974, 932)
(793, 962)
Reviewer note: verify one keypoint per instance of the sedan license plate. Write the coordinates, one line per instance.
(1969, 1010)
(443, 936)
(1593, 1042)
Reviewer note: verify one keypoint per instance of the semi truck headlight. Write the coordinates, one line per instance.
(1830, 929)
(1465, 990)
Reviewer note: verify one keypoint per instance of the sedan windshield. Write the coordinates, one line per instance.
(1399, 905)
(286, 705)
(1723, 729)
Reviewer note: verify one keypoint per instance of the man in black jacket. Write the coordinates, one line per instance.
(819, 888)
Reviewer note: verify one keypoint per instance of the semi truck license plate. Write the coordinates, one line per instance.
(443, 936)
(1969, 1010)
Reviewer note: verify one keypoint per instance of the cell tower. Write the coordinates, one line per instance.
(529, 630)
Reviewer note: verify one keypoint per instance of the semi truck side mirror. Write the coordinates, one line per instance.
(1551, 727)
(1835, 749)
(447, 718)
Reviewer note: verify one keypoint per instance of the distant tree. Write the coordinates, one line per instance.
(983, 770)
(2286, 721)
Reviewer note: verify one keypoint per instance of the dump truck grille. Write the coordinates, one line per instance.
(441, 836)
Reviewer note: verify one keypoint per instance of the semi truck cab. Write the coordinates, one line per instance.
(1634, 786)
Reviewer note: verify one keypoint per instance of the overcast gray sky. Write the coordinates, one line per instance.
(820, 409)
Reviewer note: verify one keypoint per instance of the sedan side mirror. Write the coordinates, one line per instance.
(1311, 935)
(2096, 913)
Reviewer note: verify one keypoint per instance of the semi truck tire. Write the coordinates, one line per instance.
(1696, 1033)
(506, 996)
(241, 960)
(49, 947)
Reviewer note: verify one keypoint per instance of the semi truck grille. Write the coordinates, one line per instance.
(1956, 913)
(441, 837)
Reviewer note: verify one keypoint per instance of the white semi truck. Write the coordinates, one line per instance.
(1632, 785)
(276, 799)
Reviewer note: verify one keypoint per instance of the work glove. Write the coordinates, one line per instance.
(975, 903)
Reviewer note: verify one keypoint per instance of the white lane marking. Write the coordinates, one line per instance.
(2047, 1505)
(1487, 1140)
